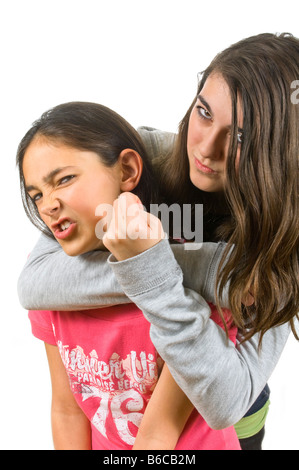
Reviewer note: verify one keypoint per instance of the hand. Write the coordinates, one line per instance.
(132, 230)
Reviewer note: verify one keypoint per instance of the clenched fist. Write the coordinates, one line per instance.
(132, 230)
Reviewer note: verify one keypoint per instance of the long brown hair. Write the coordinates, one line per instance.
(262, 194)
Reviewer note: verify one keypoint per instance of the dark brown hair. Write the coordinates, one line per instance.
(92, 127)
(262, 195)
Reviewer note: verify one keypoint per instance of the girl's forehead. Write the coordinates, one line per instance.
(43, 149)
(216, 96)
(43, 157)
(216, 92)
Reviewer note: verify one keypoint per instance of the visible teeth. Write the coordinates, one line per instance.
(65, 225)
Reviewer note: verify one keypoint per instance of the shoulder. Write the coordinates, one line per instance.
(157, 142)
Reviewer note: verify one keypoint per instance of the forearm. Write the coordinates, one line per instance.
(221, 380)
(71, 431)
(165, 416)
(70, 426)
(52, 280)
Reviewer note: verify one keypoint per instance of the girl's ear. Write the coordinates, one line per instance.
(131, 169)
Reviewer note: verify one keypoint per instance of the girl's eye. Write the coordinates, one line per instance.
(36, 197)
(240, 137)
(66, 179)
(203, 113)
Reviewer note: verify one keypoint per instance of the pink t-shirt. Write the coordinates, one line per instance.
(113, 367)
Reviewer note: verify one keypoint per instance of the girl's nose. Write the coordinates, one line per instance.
(212, 145)
(50, 206)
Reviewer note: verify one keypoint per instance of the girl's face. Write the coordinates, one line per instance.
(209, 135)
(67, 185)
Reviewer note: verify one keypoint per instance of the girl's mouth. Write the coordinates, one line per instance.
(203, 168)
(64, 229)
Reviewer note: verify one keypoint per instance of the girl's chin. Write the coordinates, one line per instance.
(205, 183)
(74, 249)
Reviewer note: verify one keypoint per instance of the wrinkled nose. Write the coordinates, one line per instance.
(50, 206)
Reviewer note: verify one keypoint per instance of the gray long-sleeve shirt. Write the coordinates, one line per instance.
(172, 286)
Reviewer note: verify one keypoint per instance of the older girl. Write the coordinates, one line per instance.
(241, 134)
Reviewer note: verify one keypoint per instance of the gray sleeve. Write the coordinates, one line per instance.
(157, 143)
(52, 280)
(221, 380)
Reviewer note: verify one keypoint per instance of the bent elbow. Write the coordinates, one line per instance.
(221, 417)
(222, 422)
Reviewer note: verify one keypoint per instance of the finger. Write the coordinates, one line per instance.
(155, 226)
(137, 226)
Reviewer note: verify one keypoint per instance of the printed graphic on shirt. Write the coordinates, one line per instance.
(113, 394)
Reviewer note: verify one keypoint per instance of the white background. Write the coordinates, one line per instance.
(140, 58)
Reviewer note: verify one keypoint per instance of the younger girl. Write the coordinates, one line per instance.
(77, 158)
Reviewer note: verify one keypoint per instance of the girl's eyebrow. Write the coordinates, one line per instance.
(205, 103)
(50, 176)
